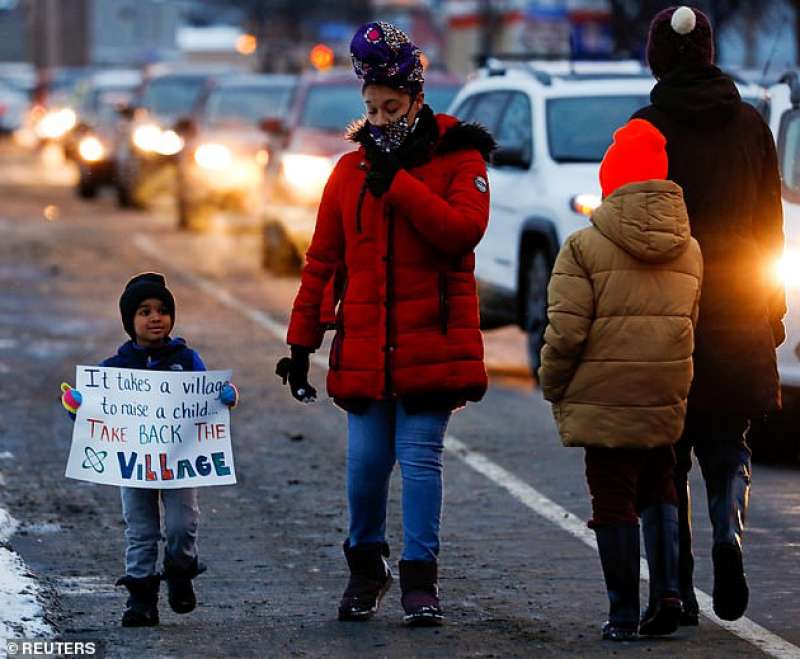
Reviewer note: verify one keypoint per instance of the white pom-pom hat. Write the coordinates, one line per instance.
(679, 36)
(683, 20)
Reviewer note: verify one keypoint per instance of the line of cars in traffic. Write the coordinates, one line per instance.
(253, 152)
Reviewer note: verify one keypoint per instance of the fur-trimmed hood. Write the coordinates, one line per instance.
(444, 133)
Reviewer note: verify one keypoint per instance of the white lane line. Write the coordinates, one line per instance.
(744, 628)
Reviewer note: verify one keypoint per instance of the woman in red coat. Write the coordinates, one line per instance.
(403, 214)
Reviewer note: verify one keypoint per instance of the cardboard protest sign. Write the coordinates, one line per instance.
(151, 429)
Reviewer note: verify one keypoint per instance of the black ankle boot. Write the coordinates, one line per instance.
(419, 582)
(142, 605)
(660, 530)
(180, 592)
(727, 505)
(690, 609)
(619, 555)
(370, 579)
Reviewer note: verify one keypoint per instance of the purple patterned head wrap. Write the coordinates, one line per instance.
(384, 55)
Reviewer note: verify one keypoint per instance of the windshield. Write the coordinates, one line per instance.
(245, 106)
(331, 107)
(580, 129)
(790, 155)
(172, 96)
(439, 97)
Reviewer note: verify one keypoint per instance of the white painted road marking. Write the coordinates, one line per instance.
(744, 628)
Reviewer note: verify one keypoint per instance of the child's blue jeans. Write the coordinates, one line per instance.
(142, 514)
(386, 433)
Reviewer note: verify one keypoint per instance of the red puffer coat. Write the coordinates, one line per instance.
(407, 324)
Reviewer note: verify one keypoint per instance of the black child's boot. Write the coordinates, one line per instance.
(690, 609)
(419, 583)
(727, 504)
(370, 579)
(180, 591)
(142, 605)
(660, 530)
(619, 555)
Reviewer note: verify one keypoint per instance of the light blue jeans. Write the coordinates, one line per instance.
(385, 433)
(142, 514)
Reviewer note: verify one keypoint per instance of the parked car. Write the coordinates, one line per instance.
(305, 149)
(92, 142)
(146, 141)
(553, 122)
(221, 167)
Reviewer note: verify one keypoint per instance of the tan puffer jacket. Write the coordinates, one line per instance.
(622, 304)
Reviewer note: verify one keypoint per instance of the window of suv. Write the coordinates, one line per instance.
(173, 95)
(245, 106)
(789, 155)
(516, 130)
(331, 107)
(487, 109)
(580, 128)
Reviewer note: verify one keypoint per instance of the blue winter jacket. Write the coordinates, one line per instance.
(175, 355)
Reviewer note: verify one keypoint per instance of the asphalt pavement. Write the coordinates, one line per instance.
(518, 578)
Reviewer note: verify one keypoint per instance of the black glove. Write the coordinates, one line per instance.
(383, 167)
(295, 370)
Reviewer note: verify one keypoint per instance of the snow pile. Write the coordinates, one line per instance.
(21, 615)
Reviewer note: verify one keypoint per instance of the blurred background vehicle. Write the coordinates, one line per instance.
(92, 142)
(221, 168)
(13, 106)
(553, 122)
(146, 142)
(304, 150)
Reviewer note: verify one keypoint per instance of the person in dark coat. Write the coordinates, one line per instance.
(722, 154)
(401, 215)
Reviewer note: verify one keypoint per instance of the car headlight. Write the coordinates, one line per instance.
(215, 157)
(169, 143)
(56, 123)
(585, 204)
(787, 268)
(306, 175)
(146, 137)
(91, 149)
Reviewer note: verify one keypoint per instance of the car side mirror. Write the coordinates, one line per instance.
(272, 126)
(126, 111)
(186, 127)
(505, 156)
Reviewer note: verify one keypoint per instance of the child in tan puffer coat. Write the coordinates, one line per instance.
(617, 366)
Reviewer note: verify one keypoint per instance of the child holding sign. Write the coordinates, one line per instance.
(148, 316)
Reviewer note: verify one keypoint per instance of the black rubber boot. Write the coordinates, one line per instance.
(619, 555)
(142, 605)
(180, 591)
(727, 506)
(660, 530)
(419, 582)
(370, 579)
(690, 609)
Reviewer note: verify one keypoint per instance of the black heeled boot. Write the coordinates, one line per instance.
(727, 505)
(690, 609)
(370, 579)
(180, 592)
(142, 605)
(660, 530)
(419, 582)
(619, 555)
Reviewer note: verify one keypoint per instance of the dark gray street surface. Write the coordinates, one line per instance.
(513, 583)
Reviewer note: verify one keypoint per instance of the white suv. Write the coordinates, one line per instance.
(553, 121)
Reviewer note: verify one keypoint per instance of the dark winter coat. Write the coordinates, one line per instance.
(174, 356)
(408, 323)
(722, 154)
